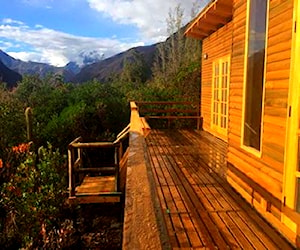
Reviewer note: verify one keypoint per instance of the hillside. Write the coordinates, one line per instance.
(33, 68)
(93, 66)
(173, 49)
(9, 76)
(113, 66)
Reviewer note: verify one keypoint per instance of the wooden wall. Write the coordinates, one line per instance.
(258, 179)
(267, 170)
(218, 45)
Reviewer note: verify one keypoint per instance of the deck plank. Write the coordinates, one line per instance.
(96, 184)
(200, 209)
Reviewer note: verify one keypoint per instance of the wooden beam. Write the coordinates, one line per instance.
(95, 199)
(168, 110)
(78, 139)
(139, 103)
(218, 12)
(146, 127)
(216, 19)
(172, 117)
(94, 170)
(102, 194)
(71, 177)
(223, 9)
(94, 145)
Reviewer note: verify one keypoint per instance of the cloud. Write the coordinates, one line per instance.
(55, 47)
(11, 21)
(148, 15)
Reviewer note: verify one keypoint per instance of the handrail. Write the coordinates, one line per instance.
(136, 124)
(170, 110)
(141, 211)
(94, 145)
(138, 103)
(125, 130)
(78, 139)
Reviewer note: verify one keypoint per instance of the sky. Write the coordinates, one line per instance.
(59, 31)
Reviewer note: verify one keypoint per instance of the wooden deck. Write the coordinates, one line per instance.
(199, 207)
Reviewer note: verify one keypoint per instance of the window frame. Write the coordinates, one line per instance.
(252, 150)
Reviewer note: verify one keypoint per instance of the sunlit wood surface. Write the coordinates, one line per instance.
(98, 184)
(200, 209)
(97, 189)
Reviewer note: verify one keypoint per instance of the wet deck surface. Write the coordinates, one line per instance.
(200, 209)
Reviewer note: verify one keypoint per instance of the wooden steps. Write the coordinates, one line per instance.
(98, 189)
(200, 208)
(90, 182)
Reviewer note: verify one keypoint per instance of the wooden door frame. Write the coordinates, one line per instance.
(291, 142)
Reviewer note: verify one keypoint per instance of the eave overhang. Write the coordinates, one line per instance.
(215, 15)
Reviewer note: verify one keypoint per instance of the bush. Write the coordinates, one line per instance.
(32, 196)
(12, 121)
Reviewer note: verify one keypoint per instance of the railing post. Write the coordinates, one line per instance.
(71, 174)
(198, 119)
(117, 163)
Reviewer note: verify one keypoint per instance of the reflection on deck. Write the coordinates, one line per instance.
(199, 207)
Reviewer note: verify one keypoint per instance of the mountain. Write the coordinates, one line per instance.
(143, 56)
(90, 65)
(34, 68)
(73, 67)
(9, 76)
(113, 66)
(84, 58)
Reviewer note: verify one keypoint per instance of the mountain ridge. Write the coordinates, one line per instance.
(102, 70)
(10, 77)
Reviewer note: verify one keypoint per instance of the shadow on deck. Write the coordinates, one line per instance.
(199, 208)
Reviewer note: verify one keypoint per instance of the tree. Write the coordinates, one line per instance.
(179, 58)
(135, 69)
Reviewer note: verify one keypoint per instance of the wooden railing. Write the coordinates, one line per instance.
(143, 220)
(75, 160)
(170, 111)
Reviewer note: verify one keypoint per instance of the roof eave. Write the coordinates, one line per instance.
(215, 15)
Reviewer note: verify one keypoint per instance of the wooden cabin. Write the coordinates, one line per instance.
(250, 99)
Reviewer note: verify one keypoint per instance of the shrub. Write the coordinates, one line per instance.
(32, 196)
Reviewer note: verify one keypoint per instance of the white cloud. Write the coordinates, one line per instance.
(148, 15)
(39, 43)
(5, 45)
(55, 47)
(11, 21)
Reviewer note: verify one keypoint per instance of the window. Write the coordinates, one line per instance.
(254, 85)
(220, 95)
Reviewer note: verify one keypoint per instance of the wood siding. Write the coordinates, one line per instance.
(218, 45)
(266, 172)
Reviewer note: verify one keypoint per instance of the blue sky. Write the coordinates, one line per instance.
(58, 31)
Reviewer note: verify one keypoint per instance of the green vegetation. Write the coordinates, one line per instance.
(33, 143)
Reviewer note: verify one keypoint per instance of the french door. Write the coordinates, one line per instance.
(220, 86)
